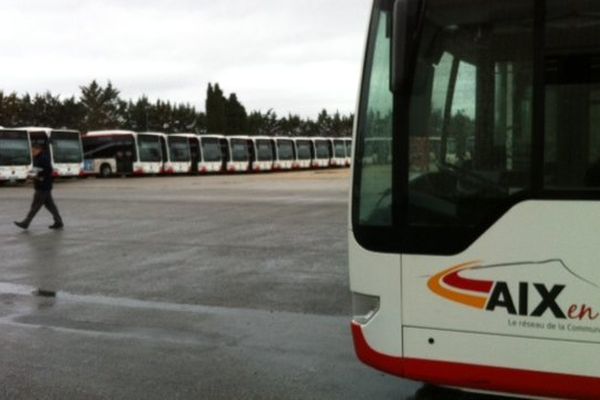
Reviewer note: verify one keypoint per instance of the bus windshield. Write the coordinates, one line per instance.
(285, 149)
(66, 147)
(211, 150)
(149, 148)
(340, 149)
(239, 150)
(322, 149)
(481, 133)
(179, 149)
(14, 148)
(264, 149)
(304, 149)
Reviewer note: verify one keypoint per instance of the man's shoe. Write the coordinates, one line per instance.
(21, 225)
(44, 293)
(56, 226)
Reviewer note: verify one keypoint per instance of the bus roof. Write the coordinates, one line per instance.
(109, 132)
(44, 129)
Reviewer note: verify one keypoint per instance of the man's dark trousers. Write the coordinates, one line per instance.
(43, 198)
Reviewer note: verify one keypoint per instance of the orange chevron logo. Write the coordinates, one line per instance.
(450, 285)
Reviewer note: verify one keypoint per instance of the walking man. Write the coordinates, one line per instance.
(43, 188)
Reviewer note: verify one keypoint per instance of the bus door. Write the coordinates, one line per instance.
(195, 152)
(225, 153)
(125, 154)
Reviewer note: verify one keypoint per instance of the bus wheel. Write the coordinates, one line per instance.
(105, 171)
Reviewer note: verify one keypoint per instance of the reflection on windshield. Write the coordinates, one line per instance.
(239, 149)
(322, 150)
(265, 150)
(285, 150)
(149, 148)
(14, 151)
(179, 149)
(304, 150)
(211, 150)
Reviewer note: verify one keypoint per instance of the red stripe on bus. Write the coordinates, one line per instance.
(458, 282)
(479, 377)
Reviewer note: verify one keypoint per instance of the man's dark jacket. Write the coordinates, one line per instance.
(43, 181)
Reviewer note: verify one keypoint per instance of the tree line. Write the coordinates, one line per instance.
(101, 107)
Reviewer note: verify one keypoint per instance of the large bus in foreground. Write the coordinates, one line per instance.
(15, 155)
(64, 145)
(120, 152)
(473, 241)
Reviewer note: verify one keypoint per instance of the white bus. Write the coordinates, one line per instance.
(284, 154)
(15, 155)
(66, 152)
(122, 152)
(212, 157)
(476, 267)
(178, 153)
(263, 154)
(237, 150)
(338, 157)
(323, 152)
(304, 150)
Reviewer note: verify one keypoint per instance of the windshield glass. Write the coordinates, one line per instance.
(179, 149)
(239, 150)
(264, 150)
(322, 149)
(348, 148)
(211, 150)
(340, 149)
(285, 150)
(66, 147)
(14, 148)
(304, 148)
(149, 148)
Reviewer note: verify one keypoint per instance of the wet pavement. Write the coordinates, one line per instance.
(214, 287)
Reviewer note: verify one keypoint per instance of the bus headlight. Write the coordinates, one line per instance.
(364, 307)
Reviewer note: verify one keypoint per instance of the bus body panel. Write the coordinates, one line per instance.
(17, 146)
(485, 308)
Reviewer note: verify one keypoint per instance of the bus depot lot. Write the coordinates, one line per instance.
(214, 287)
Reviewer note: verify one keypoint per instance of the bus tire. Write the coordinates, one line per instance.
(105, 171)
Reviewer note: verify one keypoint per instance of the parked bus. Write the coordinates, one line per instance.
(194, 146)
(338, 157)
(212, 156)
(476, 267)
(178, 156)
(263, 153)
(284, 153)
(15, 155)
(323, 152)
(237, 153)
(348, 143)
(64, 145)
(304, 149)
(122, 153)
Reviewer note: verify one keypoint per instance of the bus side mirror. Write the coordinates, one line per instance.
(404, 23)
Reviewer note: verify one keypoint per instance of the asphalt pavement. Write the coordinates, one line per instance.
(212, 287)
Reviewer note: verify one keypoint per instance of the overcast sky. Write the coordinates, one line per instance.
(290, 55)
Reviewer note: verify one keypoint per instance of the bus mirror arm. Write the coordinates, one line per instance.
(404, 25)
